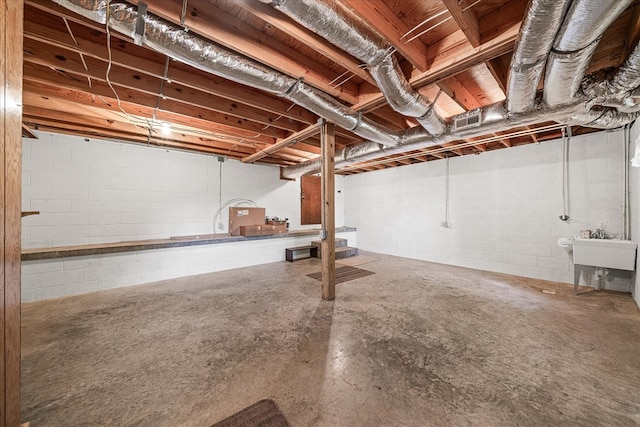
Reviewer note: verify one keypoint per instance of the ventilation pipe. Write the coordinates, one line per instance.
(574, 45)
(200, 53)
(541, 22)
(171, 40)
(620, 90)
(359, 41)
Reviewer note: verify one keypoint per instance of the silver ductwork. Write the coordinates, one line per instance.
(171, 40)
(540, 25)
(574, 45)
(200, 53)
(618, 90)
(603, 118)
(359, 41)
(495, 118)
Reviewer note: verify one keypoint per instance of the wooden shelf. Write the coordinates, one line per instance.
(141, 245)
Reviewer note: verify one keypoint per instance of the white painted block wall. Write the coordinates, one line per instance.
(100, 191)
(74, 275)
(634, 190)
(504, 207)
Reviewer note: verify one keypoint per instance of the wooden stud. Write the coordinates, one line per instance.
(449, 65)
(308, 38)
(328, 246)
(11, 17)
(377, 14)
(466, 20)
(223, 28)
(291, 139)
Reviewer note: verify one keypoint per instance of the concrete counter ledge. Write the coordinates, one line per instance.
(141, 245)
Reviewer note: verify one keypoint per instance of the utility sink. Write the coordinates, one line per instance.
(607, 253)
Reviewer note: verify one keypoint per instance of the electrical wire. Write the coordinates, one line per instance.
(439, 23)
(110, 63)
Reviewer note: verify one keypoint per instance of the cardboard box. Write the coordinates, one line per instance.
(277, 222)
(239, 216)
(250, 230)
(281, 228)
(268, 230)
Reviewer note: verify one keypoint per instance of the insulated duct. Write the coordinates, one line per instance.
(171, 40)
(574, 45)
(200, 53)
(540, 25)
(494, 118)
(619, 90)
(359, 41)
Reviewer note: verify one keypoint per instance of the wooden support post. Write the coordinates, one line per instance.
(10, 194)
(327, 137)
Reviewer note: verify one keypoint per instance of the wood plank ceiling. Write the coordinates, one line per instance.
(79, 79)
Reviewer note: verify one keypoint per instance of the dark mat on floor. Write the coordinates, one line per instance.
(344, 274)
(264, 413)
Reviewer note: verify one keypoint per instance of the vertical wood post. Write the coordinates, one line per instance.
(10, 194)
(327, 138)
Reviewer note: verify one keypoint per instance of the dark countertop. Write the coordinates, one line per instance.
(141, 245)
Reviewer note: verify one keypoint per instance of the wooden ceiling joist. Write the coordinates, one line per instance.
(462, 58)
(378, 15)
(466, 19)
(450, 66)
(208, 21)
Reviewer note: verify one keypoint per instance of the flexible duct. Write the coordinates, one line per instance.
(619, 90)
(359, 41)
(541, 22)
(574, 45)
(494, 118)
(171, 40)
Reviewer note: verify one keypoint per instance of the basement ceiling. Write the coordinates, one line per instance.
(80, 78)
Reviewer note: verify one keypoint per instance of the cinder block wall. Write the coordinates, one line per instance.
(102, 191)
(504, 207)
(634, 188)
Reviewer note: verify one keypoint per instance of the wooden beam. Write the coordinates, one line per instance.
(126, 84)
(328, 245)
(379, 16)
(11, 17)
(499, 69)
(211, 22)
(459, 93)
(315, 42)
(27, 133)
(466, 20)
(450, 66)
(504, 141)
(134, 59)
(533, 135)
(292, 139)
(42, 95)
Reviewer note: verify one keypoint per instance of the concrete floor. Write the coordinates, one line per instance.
(416, 344)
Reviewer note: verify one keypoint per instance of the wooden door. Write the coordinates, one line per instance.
(310, 200)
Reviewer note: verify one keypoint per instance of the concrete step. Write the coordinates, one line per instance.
(339, 243)
(343, 252)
